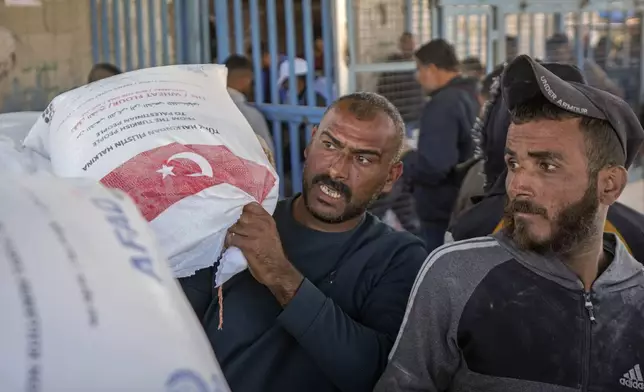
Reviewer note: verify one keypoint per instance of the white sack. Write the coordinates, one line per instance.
(16, 160)
(88, 303)
(16, 125)
(173, 139)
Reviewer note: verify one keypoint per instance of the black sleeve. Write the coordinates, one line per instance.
(354, 354)
(479, 220)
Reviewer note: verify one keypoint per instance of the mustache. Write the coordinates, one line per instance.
(525, 207)
(325, 179)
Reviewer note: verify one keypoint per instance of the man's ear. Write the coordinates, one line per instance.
(395, 171)
(611, 183)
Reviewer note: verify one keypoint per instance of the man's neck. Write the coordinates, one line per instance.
(588, 261)
(447, 77)
(304, 217)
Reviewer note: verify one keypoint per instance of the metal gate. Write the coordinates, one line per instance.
(279, 36)
(604, 33)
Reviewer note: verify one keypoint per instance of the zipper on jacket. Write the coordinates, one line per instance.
(588, 304)
(588, 323)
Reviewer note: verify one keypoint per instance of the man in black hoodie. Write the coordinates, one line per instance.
(485, 216)
(444, 137)
(551, 303)
(325, 294)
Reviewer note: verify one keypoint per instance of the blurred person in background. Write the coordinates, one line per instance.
(318, 52)
(559, 50)
(265, 77)
(471, 67)
(301, 69)
(102, 71)
(397, 208)
(402, 88)
(265, 74)
(474, 179)
(511, 47)
(602, 52)
(444, 137)
(240, 82)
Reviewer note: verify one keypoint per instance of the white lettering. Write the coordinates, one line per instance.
(548, 89)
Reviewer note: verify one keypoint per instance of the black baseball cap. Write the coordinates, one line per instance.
(524, 78)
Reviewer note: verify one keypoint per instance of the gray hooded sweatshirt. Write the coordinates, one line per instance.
(486, 316)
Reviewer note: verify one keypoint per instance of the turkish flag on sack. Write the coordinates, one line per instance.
(158, 178)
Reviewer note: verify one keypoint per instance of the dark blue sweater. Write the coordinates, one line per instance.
(336, 332)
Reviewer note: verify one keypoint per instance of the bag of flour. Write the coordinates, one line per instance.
(173, 140)
(15, 160)
(88, 302)
(16, 125)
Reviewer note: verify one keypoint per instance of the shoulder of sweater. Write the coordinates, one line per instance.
(386, 236)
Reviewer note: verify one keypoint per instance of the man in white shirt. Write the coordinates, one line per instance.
(240, 80)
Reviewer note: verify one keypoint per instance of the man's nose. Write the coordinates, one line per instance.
(520, 184)
(340, 167)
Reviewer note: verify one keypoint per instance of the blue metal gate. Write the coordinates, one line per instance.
(269, 32)
(134, 34)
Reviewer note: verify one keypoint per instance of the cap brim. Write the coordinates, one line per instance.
(524, 78)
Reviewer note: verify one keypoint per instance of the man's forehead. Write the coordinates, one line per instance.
(556, 134)
(376, 130)
(344, 113)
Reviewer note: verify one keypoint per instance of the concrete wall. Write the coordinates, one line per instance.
(44, 50)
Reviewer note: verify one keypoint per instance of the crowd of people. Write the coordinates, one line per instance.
(543, 288)
(542, 291)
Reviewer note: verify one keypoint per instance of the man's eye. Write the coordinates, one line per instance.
(512, 165)
(363, 160)
(547, 167)
(328, 145)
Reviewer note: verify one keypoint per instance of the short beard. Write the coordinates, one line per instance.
(574, 226)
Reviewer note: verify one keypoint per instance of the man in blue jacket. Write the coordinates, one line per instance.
(327, 285)
(444, 137)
